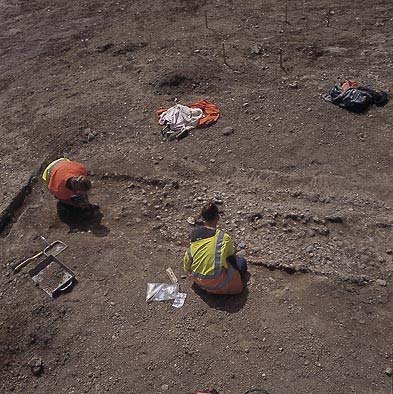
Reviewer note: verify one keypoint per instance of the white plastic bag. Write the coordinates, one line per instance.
(161, 291)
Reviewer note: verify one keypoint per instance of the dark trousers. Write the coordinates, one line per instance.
(239, 263)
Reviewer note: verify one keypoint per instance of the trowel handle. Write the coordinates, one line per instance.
(18, 266)
(45, 240)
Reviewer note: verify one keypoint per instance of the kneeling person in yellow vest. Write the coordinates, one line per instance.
(211, 259)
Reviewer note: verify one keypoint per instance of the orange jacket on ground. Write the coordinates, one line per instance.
(59, 176)
(349, 84)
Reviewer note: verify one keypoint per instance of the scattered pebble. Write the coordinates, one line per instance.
(104, 47)
(191, 221)
(228, 131)
(256, 49)
(381, 282)
(324, 231)
(334, 219)
(36, 365)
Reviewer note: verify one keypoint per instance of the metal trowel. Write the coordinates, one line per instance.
(53, 249)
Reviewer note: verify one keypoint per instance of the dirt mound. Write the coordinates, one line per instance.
(175, 83)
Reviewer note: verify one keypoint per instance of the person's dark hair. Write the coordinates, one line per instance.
(80, 183)
(210, 212)
(84, 184)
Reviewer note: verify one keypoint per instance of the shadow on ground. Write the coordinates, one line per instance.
(227, 303)
(82, 220)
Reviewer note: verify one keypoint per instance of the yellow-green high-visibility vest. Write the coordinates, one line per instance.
(205, 258)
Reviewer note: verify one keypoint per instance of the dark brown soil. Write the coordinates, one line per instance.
(306, 188)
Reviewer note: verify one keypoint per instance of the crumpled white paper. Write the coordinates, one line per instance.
(179, 300)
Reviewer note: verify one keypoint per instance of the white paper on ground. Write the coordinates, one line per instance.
(179, 300)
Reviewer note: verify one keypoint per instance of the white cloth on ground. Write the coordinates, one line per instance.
(180, 117)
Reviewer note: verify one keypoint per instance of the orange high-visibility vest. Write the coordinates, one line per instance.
(60, 173)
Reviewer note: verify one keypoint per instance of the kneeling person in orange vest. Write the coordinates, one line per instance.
(68, 181)
(211, 259)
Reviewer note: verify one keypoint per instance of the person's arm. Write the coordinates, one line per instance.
(229, 250)
(232, 260)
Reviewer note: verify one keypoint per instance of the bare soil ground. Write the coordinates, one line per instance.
(306, 187)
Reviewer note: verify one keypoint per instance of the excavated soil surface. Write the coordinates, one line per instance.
(306, 191)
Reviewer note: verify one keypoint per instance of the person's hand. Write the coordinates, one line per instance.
(77, 199)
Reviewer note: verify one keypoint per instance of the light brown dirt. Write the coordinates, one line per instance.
(306, 187)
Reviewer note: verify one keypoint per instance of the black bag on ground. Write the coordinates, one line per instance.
(356, 99)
